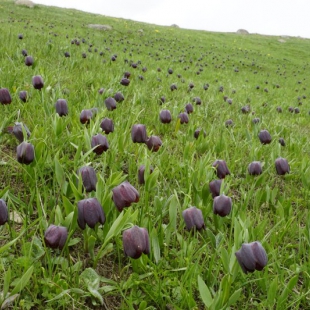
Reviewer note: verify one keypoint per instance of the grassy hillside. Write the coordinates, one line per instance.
(257, 82)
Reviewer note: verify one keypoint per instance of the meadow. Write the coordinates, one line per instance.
(221, 90)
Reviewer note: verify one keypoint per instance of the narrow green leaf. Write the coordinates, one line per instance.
(234, 297)
(23, 281)
(204, 293)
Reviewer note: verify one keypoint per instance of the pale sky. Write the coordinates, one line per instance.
(273, 17)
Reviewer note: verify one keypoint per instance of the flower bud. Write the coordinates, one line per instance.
(255, 168)
(193, 218)
(153, 143)
(124, 195)
(252, 256)
(173, 87)
(136, 241)
(138, 133)
(61, 107)
(5, 97)
(165, 116)
(222, 205)
(90, 212)
(37, 82)
(25, 153)
(221, 168)
(282, 166)
(4, 215)
(264, 137)
(110, 103)
(89, 178)
(55, 237)
(100, 142)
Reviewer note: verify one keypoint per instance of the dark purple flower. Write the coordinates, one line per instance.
(37, 82)
(138, 133)
(255, 168)
(193, 218)
(56, 237)
(252, 256)
(141, 171)
(246, 109)
(110, 103)
(170, 71)
(125, 82)
(221, 168)
(256, 120)
(281, 141)
(5, 97)
(124, 195)
(136, 241)
(264, 137)
(100, 142)
(4, 215)
(191, 85)
(127, 75)
(18, 131)
(20, 36)
(67, 54)
(189, 108)
(101, 91)
(86, 116)
(165, 116)
(107, 125)
(162, 99)
(279, 109)
(61, 107)
(215, 187)
(25, 153)
(90, 212)
(197, 100)
(24, 53)
(173, 87)
(89, 178)
(153, 143)
(29, 61)
(282, 166)
(183, 118)
(197, 133)
(23, 96)
(222, 205)
(119, 97)
(229, 122)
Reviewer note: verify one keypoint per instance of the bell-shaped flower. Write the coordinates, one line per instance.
(124, 195)
(252, 256)
(138, 133)
(90, 212)
(4, 215)
(136, 242)
(193, 218)
(89, 178)
(222, 205)
(282, 166)
(55, 237)
(25, 153)
(221, 168)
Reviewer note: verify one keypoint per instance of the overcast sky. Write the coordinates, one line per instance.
(274, 17)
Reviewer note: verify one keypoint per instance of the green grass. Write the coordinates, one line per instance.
(185, 270)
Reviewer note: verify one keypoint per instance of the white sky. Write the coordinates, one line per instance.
(274, 17)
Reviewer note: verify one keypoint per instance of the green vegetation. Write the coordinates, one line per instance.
(184, 269)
